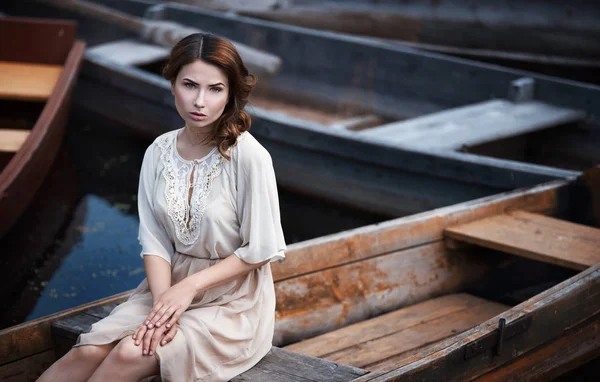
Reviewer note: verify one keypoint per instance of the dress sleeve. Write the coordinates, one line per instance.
(258, 208)
(152, 236)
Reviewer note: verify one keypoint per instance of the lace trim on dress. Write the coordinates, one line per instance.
(187, 217)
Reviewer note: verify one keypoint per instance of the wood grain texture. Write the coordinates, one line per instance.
(280, 365)
(579, 345)
(384, 325)
(320, 302)
(27, 369)
(552, 314)
(390, 336)
(11, 140)
(361, 243)
(534, 236)
(35, 336)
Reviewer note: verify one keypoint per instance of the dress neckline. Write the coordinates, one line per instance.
(198, 160)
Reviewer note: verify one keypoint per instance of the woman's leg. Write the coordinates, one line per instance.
(78, 364)
(126, 363)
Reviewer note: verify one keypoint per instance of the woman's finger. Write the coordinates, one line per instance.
(175, 318)
(161, 312)
(147, 340)
(154, 341)
(169, 335)
(158, 306)
(139, 334)
(165, 317)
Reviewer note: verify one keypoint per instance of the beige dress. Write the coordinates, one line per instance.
(234, 209)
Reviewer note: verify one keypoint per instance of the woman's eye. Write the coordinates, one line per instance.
(189, 85)
(217, 90)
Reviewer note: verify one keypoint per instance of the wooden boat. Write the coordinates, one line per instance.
(39, 64)
(427, 297)
(553, 37)
(319, 117)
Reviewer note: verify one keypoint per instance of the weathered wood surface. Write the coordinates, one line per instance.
(11, 140)
(316, 303)
(578, 345)
(393, 334)
(35, 336)
(280, 365)
(475, 124)
(534, 236)
(27, 82)
(350, 246)
(27, 369)
(552, 314)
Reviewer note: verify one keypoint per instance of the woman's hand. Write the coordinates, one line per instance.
(171, 305)
(150, 338)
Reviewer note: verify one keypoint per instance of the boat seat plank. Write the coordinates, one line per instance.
(475, 124)
(27, 82)
(534, 236)
(278, 365)
(129, 52)
(11, 140)
(367, 343)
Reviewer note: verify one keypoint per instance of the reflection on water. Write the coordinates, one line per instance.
(101, 263)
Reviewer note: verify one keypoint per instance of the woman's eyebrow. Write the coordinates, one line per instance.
(193, 82)
(218, 83)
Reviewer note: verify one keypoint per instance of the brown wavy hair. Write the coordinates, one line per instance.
(221, 53)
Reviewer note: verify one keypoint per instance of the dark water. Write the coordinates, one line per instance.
(78, 241)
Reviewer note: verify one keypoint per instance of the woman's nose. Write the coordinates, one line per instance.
(199, 101)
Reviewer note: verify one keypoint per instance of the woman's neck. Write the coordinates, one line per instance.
(197, 136)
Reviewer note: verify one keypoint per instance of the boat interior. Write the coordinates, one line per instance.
(383, 296)
(24, 89)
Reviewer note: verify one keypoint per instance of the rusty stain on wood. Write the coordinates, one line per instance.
(378, 239)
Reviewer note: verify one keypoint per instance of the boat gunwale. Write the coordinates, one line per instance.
(42, 136)
(298, 252)
(118, 76)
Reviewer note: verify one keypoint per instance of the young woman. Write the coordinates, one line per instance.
(209, 226)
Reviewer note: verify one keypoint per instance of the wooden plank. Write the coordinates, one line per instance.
(552, 313)
(129, 52)
(11, 140)
(475, 124)
(577, 346)
(27, 369)
(280, 365)
(27, 82)
(35, 336)
(320, 302)
(534, 236)
(384, 325)
(346, 247)
(404, 340)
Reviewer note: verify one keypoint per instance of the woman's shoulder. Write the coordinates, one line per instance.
(248, 150)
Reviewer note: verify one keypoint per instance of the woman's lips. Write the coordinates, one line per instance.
(198, 116)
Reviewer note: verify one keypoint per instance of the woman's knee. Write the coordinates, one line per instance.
(89, 353)
(126, 351)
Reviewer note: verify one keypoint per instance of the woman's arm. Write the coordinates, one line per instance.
(158, 273)
(177, 299)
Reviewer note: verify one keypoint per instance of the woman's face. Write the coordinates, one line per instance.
(201, 92)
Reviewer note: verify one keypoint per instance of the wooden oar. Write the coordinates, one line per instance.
(167, 33)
